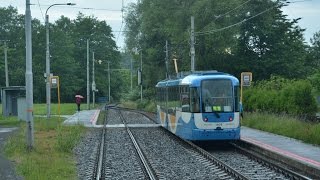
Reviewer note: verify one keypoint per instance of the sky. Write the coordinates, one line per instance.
(110, 11)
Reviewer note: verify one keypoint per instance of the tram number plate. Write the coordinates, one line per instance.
(218, 124)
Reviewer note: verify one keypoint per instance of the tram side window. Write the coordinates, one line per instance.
(194, 100)
(185, 106)
(237, 98)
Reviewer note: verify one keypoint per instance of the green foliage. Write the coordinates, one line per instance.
(284, 125)
(68, 54)
(149, 106)
(315, 81)
(279, 95)
(265, 44)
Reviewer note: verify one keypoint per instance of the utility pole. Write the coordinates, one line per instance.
(192, 50)
(109, 80)
(167, 63)
(93, 82)
(48, 88)
(88, 84)
(48, 74)
(131, 71)
(29, 78)
(6, 61)
(141, 75)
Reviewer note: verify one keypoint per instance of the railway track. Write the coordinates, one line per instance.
(137, 152)
(169, 154)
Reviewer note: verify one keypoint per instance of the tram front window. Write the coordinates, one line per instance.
(217, 95)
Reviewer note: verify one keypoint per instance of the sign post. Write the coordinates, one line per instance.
(55, 83)
(246, 78)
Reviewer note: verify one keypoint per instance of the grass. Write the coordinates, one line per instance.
(308, 132)
(9, 121)
(65, 109)
(51, 156)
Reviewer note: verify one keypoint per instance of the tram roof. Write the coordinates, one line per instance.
(195, 78)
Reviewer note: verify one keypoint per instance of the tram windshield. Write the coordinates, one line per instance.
(217, 95)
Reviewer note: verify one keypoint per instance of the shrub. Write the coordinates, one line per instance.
(280, 95)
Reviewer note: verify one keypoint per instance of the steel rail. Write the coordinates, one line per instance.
(148, 168)
(270, 163)
(99, 169)
(202, 152)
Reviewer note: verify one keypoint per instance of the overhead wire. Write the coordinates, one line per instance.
(87, 8)
(230, 26)
(244, 20)
(219, 16)
(121, 22)
(41, 10)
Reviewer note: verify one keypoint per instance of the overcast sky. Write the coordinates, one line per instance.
(110, 10)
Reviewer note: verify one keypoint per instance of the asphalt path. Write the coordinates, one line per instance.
(7, 168)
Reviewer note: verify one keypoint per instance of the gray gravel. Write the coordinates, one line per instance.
(170, 159)
(121, 159)
(86, 153)
(245, 165)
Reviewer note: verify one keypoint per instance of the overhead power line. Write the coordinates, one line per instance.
(230, 26)
(219, 16)
(121, 21)
(41, 10)
(244, 20)
(88, 8)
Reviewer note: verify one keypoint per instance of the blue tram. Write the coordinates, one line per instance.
(203, 105)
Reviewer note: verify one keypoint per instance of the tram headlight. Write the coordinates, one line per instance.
(205, 119)
(230, 118)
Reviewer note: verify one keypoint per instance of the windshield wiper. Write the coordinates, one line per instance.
(216, 113)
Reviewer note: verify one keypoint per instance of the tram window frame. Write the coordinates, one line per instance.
(194, 100)
(237, 98)
(184, 98)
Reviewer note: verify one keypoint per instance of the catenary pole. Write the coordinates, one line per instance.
(28, 76)
(48, 89)
(109, 98)
(167, 63)
(88, 84)
(141, 76)
(93, 82)
(6, 63)
(192, 50)
(131, 72)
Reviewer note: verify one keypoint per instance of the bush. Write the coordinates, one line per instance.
(280, 95)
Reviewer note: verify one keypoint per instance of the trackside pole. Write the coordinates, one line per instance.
(29, 77)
